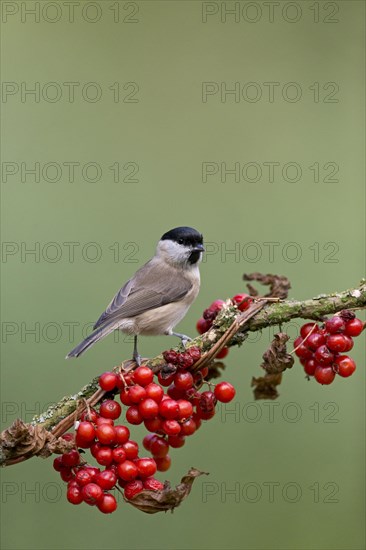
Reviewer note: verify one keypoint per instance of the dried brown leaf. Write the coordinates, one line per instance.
(152, 502)
(275, 361)
(276, 358)
(265, 386)
(279, 285)
(25, 440)
(215, 370)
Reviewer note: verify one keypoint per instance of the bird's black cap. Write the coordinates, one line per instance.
(184, 235)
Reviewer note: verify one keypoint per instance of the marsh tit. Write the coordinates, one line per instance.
(158, 295)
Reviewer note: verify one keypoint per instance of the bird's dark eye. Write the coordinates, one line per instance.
(180, 241)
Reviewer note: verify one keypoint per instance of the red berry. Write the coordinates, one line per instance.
(74, 495)
(163, 464)
(194, 396)
(243, 301)
(152, 484)
(159, 447)
(95, 448)
(106, 480)
(86, 431)
(302, 351)
(92, 493)
(108, 381)
(122, 434)
(106, 434)
(335, 324)
(315, 340)
(188, 427)
(131, 449)
(354, 327)
(176, 441)
(171, 427)
(194, 352)
(345, 366)
(183, 380)
(66, 474)
(174, 393)
(165, 379)
(169, 408)
(310, 366)
(71, 459)
(203, 325)
(217, 304)
(101, 420)
(324, 375)
(224, 392)
(58, 464)
(207, 401)
(146, 467)
(154, 391)
(171, 356)
(92, 471)
(148, 408)
(133, 415)
(133, 488)
(337, 342)
(308, 327)
(349, 343)
(143, 376)
(125, 397)
(118, 454)
(104, 456)
(223, 353)
(153, 424)
(83, 477)
(110, 409)
(324, 356)
(137, 393)
(185, 409)
(107, 504)
(147, 441)
(127, 470)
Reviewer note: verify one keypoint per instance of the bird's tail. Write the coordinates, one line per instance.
(90, 340)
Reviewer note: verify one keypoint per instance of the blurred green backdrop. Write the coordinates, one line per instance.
(131, 130)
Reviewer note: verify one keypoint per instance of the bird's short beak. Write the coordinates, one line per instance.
(199, 248)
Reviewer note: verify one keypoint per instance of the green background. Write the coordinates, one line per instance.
(315, 439)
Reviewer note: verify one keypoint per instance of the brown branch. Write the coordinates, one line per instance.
(230, 328)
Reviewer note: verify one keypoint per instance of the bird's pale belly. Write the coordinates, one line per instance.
(159, 320)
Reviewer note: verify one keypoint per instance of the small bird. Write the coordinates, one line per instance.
(157, 296)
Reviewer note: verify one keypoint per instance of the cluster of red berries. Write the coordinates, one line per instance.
(320, 348)
(241, 301)
(170, 417)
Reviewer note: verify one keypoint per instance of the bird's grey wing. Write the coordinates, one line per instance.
(119, 299)
(150, 288)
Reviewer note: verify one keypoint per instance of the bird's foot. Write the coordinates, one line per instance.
(183, 338)
(137, 358)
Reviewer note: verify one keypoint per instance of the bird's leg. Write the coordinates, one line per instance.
(183, 337)
(136, 356)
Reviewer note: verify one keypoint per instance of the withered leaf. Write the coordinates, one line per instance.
(275, 361)
(22, 439)
(152, 502)
(265, 386)
(215, 370)
(276, 358)
(279, 285)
